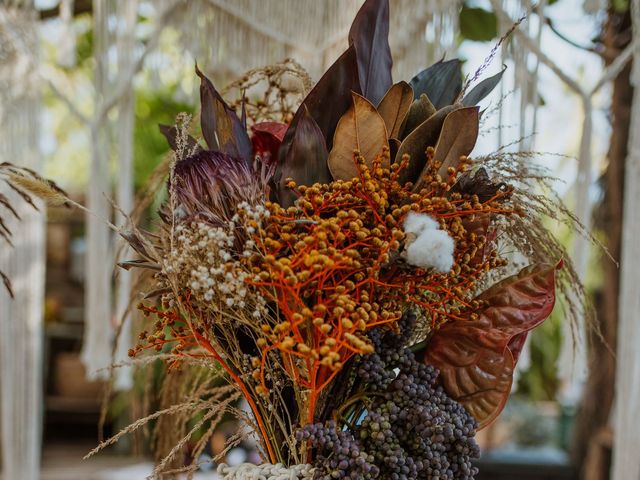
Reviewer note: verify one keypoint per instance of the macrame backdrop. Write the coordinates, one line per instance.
(21, 328)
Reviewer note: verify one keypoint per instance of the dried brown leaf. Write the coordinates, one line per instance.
(421, 109)
(394, 106)
(457, 139)
(362, 129)
(416, 143)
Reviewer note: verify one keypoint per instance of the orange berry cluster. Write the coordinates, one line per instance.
(332, 265)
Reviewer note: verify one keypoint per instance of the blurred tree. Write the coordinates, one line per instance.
(595, 410)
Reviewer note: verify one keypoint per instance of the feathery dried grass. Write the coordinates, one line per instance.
(27, 184)
(528, 233)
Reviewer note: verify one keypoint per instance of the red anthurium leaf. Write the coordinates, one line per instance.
(305, 160)
(221, 128)
(474, 356)
(516, 344)
(369, 34)
(266, 139)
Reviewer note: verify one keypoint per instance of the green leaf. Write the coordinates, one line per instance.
(478, 24)
(620, 6)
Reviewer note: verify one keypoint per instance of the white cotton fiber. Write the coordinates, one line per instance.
(432, 247)
(418, 222)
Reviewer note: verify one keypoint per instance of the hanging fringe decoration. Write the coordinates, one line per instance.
(233, 36)
(126, 41)
(98, 332)
(21, 327)
(67, 45)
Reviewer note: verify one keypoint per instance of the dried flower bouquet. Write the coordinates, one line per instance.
(343, 263)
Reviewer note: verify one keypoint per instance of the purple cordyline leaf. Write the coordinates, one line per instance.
(221, 127)
(306, 158)
(331, 96)
(171, 134)
(324, 105)
(483, 89)
(369, 34)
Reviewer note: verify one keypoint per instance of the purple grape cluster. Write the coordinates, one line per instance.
(408, 429)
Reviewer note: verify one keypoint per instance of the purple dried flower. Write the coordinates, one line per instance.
(210, 185)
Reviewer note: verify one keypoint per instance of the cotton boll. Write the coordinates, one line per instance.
(418, 222)
(431, 249)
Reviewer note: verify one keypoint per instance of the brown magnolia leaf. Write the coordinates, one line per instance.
(361, 128)
(394, 106)
(474, 357)
(421, 109)
(457, 139)
(416, 143)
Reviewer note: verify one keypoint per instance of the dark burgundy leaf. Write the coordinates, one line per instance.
(420, 110)
(369, 35)
(305, 159)
(483, 89)
(221, 128)
(171, 134)
(331, 96)
(441, 82)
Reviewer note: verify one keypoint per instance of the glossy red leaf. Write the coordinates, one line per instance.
(221, 128)
(266, 139)
(369, 34)
(474, 356)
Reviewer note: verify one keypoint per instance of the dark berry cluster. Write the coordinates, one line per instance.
(339, 454)
(408, 429)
